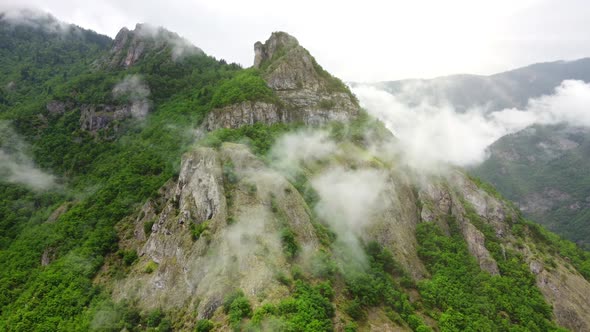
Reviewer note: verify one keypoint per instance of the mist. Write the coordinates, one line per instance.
(16, 165)
(181, 47)
(348, 199)
(294, 150)
(434, 135)
(134, 90)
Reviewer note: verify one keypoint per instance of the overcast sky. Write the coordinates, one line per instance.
(360, 40)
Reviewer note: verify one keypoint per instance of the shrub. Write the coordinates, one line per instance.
(283, 279)
(239, 308)
(150, 267)
(147, 227)
(290, 246)
(199, 230)
(154, 318)
(129, 256)
(351, 327)
(355, 310)
(204, 325)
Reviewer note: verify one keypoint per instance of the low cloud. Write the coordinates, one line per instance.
(16, 166)
(132, 89)
(348, 202)
(434, 135)
(34, 18)
(181, 47)
(293, 150)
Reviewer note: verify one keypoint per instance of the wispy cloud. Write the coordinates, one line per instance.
(433, 135)
(16, 165)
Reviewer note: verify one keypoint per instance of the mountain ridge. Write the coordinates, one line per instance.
(508, 89)
(313, 224)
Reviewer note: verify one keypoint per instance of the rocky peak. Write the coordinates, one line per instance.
(130, 45)
(307, 92)
(278, 41)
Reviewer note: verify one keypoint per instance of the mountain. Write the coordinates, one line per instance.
(157, 192)
(543, 170)
(495, 92)
(540, 168)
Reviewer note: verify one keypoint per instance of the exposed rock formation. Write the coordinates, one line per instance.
(55, 107)
(97, 117)
(239, 247)
(245, 113)
(130, 46)
(567, 292)
(308, 93)
(443, 201)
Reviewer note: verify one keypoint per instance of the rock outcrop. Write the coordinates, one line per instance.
(94, 118)
(567, 292)
(307, 93)
(217, 228)
(130, 46)
(228, 194)
(246, 113)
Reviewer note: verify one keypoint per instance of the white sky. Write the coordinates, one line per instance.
(360, 40)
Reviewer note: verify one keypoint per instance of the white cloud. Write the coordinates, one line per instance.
(349, 201)
(16, 166)
(431, 135)
(133, 89)
(296, 149)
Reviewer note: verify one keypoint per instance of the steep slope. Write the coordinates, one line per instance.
(232, 221)
(543, 169)
(304, 91)
(37, 52)
(54, 238)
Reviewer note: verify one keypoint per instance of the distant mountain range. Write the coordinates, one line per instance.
(504, 90)
(544, 169)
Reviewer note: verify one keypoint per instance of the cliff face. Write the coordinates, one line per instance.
(242, 205)
(97, 118)
(307, 93)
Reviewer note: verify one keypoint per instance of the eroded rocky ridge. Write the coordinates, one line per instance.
(308, 93)
(94, 118)
(243, 203)
(130, 46)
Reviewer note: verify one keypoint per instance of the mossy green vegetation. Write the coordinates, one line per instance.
(376, 286)
(259, 137)
(462, 297)
(246, 85)
(308, 309)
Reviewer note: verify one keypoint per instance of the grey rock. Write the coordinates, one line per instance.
(58, 107)
(98, 117)
(306, 92)
(245, 113)
(130, 46)
(536, 267)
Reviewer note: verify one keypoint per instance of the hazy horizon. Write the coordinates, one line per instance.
(378, 42)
